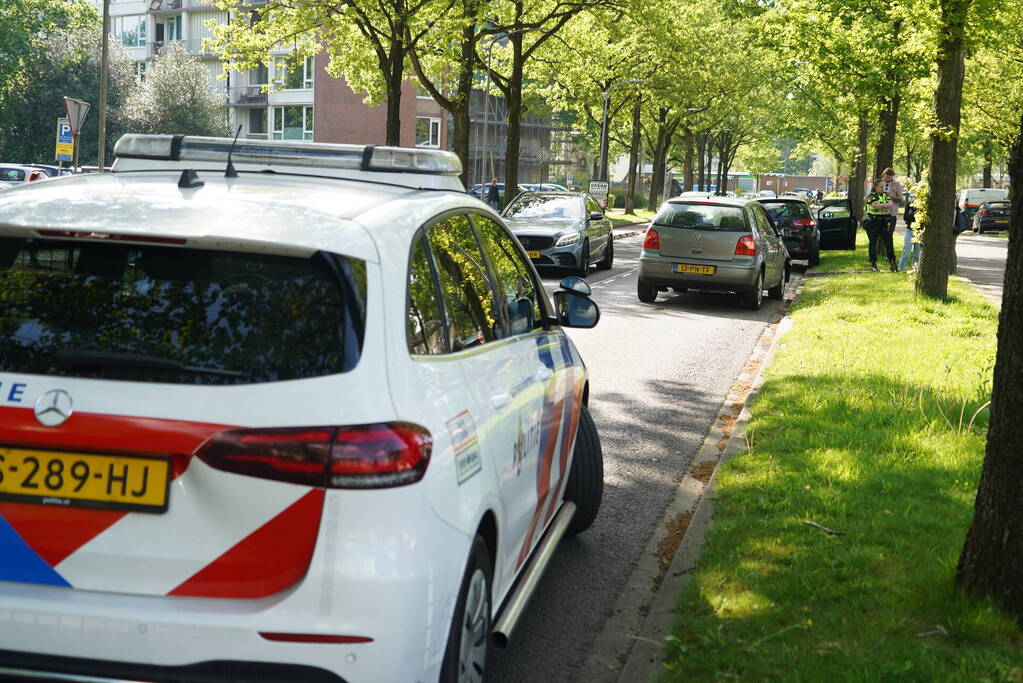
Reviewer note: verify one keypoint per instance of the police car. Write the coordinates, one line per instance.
(278, 411)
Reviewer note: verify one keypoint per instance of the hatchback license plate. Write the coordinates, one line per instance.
(533, 254)
(113, 482)
(693, 268)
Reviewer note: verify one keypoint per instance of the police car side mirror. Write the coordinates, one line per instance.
(574, 309)
(576, 284)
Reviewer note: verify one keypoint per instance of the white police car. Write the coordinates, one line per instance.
(277, 411)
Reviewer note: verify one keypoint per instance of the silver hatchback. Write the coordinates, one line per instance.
(716, 244)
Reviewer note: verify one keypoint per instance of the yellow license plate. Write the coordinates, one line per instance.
(693, 268)
(113, 482)
(533, 254)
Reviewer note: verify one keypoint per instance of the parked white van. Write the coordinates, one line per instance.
(970, 199)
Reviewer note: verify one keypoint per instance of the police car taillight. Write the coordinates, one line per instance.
(365, 456)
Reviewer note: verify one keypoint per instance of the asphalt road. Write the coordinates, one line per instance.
(981, 260)
(658, 374)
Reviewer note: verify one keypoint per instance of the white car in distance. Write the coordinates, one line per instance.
(278, 411)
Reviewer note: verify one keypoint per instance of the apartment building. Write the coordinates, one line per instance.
(278, 100)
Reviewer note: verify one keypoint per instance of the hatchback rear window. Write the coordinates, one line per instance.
(176, 315)
(783, 210)
(701, 217)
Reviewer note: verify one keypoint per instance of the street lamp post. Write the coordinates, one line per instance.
(602, 170)
(104, 66)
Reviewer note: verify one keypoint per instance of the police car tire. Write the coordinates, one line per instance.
(479, 561)
(585, 485)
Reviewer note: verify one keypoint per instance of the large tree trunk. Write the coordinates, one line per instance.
(858, 177)
(395, 78)
(939, 242)
(991, 564)
(514, 100)
(687, 162)
(630, 193)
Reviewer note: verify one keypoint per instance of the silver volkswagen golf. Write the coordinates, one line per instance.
(716, 244)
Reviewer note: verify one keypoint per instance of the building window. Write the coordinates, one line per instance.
(427, 131)
(259, 76)
(140, 71)
(293, 77)
(129, 29)
(257, 122)
(293, 123)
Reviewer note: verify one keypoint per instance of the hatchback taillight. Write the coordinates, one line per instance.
(652, 240)
(363, 456)
(746, 246)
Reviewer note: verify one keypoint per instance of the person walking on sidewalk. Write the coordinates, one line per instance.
(910, 245)
(876, 224)
(494, 195)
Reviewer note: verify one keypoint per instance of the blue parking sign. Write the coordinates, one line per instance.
(65, 140)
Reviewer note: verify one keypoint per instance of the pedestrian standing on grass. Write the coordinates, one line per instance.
(494, 195)
(897, 194)
(910, 244)
(877, 226)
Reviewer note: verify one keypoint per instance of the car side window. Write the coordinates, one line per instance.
(592, 206)
(464, 283)
(763, 222)
(517, 290)
(426, 332)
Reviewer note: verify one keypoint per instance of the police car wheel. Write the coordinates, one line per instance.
(469, 636)
(585, 485)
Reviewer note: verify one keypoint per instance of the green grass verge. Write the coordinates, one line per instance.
(619, 220)
(860, 426)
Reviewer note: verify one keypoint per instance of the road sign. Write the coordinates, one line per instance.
(65, 140)
(598, 190)
(76, 111)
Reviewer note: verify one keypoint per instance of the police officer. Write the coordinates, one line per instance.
(876, 224)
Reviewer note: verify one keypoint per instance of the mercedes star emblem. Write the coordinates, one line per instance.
(54, 407)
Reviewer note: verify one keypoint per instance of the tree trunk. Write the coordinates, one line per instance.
(987, 163)
(687, 163)
(701, 170)
(709, 148)
(884, 153)
(939, 243)
(659, 157)
(395, 78)
(858, 177)
(514, 100)
(630, 193)
(991, 563)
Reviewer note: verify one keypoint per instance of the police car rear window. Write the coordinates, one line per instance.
(177, 315)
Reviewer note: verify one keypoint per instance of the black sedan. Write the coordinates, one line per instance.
(993, 215)
(796, 226)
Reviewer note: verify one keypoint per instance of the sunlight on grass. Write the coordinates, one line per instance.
(861, 426)
(621, 220)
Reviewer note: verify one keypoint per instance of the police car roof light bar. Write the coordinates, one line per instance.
(290, 153)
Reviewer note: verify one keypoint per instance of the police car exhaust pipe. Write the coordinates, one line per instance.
(531, 577)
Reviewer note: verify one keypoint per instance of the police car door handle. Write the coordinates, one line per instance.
(542, 373)
(500, 400)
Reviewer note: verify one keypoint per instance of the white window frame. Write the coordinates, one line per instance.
(140, 29)
(280, 73)
(307, 121)
(434, 132)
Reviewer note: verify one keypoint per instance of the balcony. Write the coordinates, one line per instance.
(193, 47)
(247, 96)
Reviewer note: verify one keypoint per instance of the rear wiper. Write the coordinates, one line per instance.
(70, 358)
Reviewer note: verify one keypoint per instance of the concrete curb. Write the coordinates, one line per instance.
(630, 646)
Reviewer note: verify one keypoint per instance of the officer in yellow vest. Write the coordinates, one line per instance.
(876, 225)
